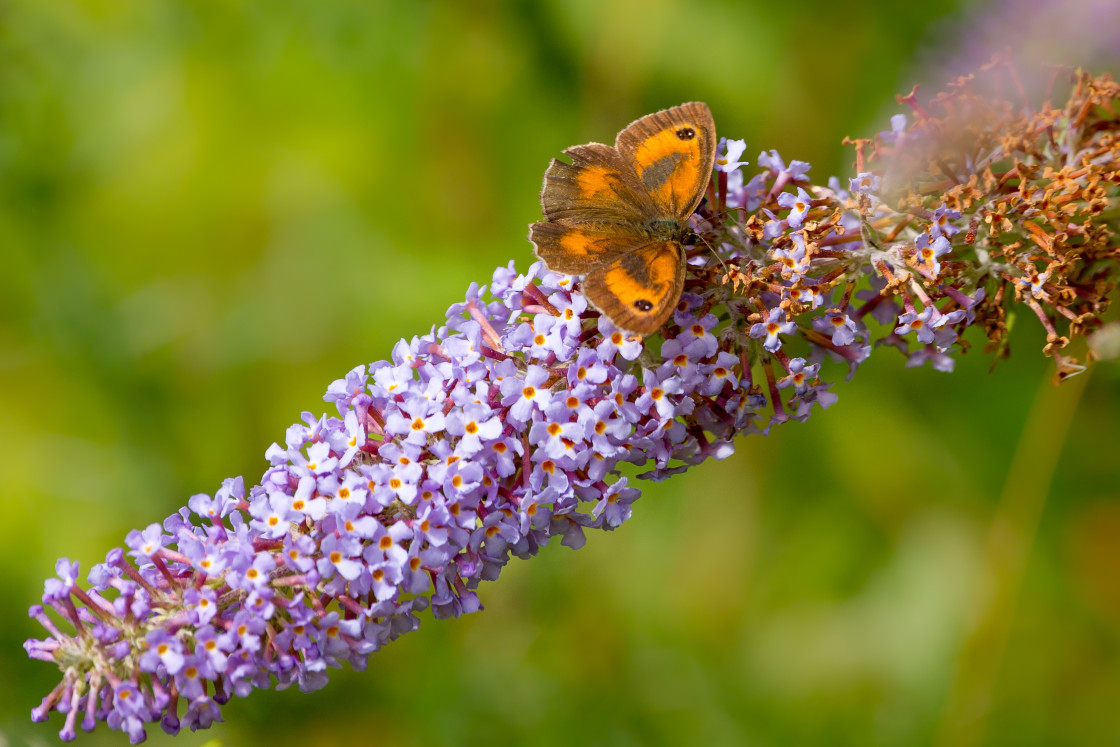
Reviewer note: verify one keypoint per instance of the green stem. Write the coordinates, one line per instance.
(999, 582)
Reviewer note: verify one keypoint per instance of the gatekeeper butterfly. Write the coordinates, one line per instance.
(619, 216)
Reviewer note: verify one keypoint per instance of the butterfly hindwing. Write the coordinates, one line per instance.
(672, 153)
(639, 289)
(577, 249)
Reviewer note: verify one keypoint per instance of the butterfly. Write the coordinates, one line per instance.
(619, 215)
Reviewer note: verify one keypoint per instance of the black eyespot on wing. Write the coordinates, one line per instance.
(686, 133)
(643, 305)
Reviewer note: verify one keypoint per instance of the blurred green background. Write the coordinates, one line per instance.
(210, 210)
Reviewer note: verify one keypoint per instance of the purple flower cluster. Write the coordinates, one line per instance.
(474, 443)
(805, 249)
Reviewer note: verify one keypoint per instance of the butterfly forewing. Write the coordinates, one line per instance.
(598, 186)
(672, 153)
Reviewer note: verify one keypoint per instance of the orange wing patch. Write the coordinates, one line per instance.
(669, 167)
(577, 243)
(658, 275)
(597, 183)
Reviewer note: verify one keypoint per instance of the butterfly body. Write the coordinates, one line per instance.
(619, 215)
(669, 230)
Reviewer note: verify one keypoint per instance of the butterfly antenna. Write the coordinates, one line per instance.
(713, 251)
